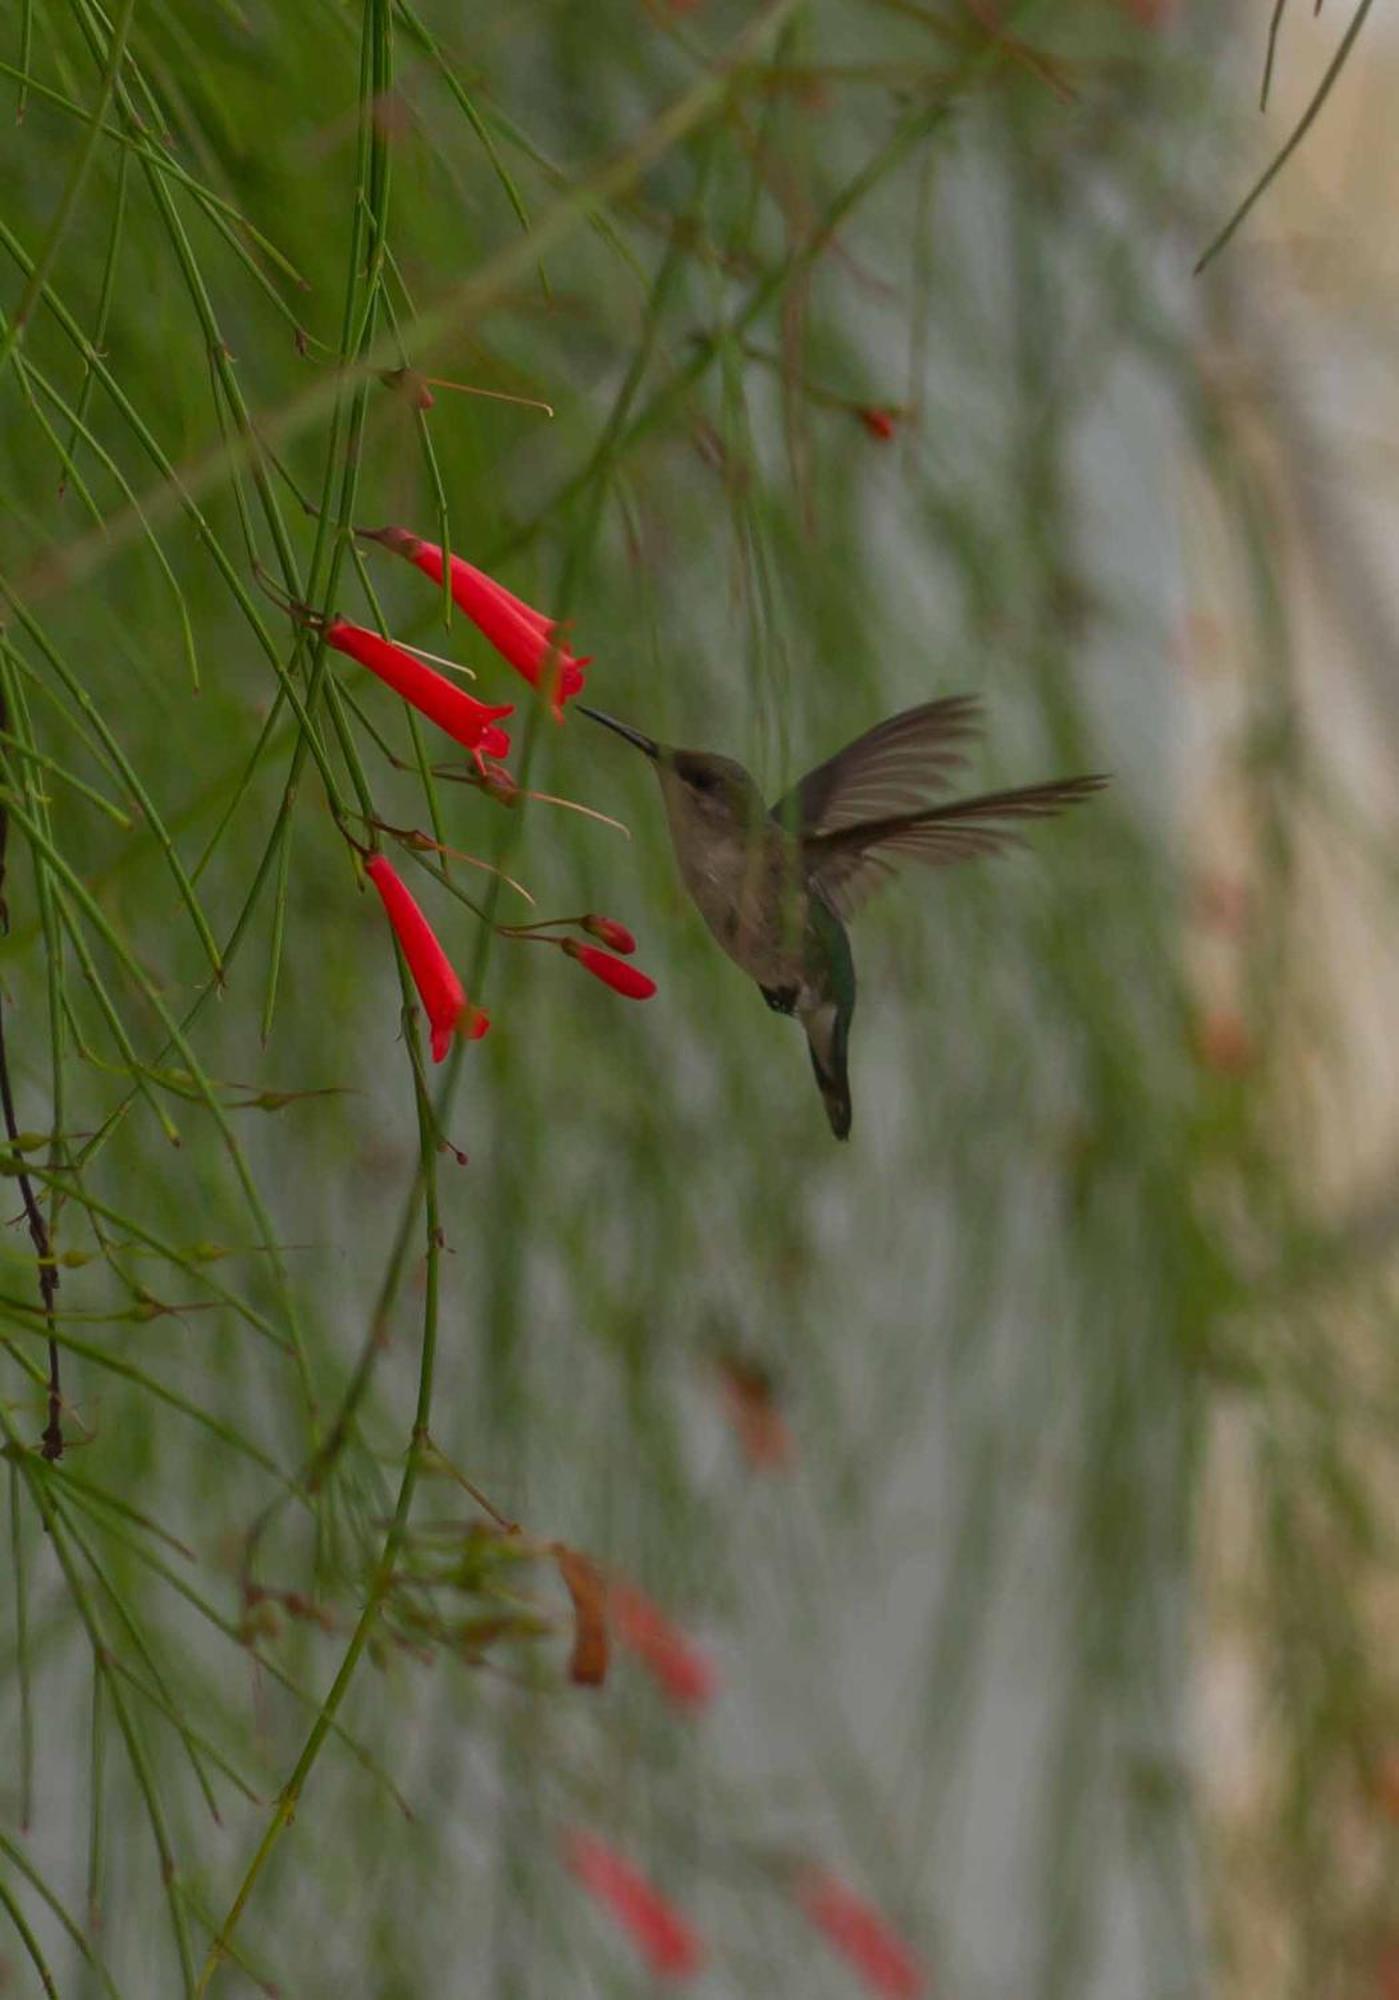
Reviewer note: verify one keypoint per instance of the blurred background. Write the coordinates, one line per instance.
(994, 1516)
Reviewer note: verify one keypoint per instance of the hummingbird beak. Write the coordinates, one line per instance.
(646, 744)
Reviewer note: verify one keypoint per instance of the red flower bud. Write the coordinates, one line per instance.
(474, 724)
(614, 972)
(439, 989)
(864, 1938)
(666, 1940)
(879, 423)
(524, 637)
(609, 932)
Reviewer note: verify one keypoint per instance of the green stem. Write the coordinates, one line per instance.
(69, 199)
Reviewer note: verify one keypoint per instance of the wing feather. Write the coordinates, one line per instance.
(896, 767)
(850, 863)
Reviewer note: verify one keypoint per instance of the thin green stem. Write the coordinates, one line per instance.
(73, 188)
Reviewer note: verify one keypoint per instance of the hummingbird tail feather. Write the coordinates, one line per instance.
(827, 1036)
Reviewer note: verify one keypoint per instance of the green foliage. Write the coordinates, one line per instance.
(347, 1343)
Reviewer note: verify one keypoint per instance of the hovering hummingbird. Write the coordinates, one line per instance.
(777, 887)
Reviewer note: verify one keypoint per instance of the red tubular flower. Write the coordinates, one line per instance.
(682, 1672)
(609, 932)
(614, 972)
(667, 1941)
(864, 1939)
(439, 989)
(528, 641)
(474, 724)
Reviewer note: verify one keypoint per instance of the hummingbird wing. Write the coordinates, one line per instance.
(897, 767)
(851, 862)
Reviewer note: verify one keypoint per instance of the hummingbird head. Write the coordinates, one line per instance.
(703, 794)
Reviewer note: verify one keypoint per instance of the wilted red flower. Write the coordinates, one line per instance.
(613, 972)
(667, 1941)
(609, 932)
(497, 783)
(474, 724)
(587, 1590)
(439, 989)
(880, 423)
(669, 1655)
(524, 637)
(864, 1938)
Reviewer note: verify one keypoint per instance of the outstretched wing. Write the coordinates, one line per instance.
(896, 767)
(851, 862)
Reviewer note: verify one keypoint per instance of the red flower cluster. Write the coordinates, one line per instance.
(439, 989)
(666, 1940)
(670, 1656)
(528, 641)
(534, 646)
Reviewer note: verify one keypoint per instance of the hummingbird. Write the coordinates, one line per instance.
(778, 885)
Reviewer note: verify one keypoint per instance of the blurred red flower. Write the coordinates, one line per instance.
(881, 424)
(683, 1673)
(864, 1938)
(751, 1405)
(1223, 1042)
(1220, 903)
(666, 1940)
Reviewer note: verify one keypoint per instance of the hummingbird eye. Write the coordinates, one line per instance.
(697, 774)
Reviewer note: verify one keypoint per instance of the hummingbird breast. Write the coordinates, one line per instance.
(749, 887)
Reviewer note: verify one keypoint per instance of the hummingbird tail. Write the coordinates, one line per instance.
(827, 1036)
